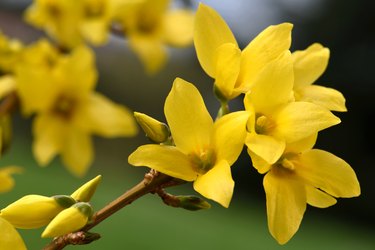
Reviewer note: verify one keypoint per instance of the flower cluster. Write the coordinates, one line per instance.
(283, 114)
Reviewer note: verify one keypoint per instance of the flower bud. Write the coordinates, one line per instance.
(33, 211)
(69, 220)
(87, 190)
(193, 203)
(155, 130)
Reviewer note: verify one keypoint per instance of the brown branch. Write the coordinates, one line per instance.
(9, 103)
(152, 182)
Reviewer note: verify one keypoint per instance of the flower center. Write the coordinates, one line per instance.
(203, 161)
(263, 125)
(64, 106)
(287, 161)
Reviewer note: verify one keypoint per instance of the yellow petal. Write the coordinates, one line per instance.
(309, 64)
(329, 173)
(318, 198)
(267, 46)
(267, 147)
(273, 85)
(7, 85)
(329, 98)
(229, 136)
(95, 31)
(259, 163)
(49, 133)
(302, 145)
(166, 159)
(101, 116)
(286, 204)
(77, 152)
(10, 239)
(178, 27)
(217, 184)
(298, 120)
(210, 32)
(228, 59)
(190, 123)
(6, 180)
(150, 51)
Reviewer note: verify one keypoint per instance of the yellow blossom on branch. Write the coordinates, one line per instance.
(309, 65)
(204, 150)
(10, 52)
(149, 26)
(234, 70)
(301, 176)
(276, 119)
(60, 91)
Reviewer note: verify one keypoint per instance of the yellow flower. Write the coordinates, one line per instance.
(275, 118)
(10, 51)
(10, 239)
(301, 176)
(309, 65)
(34, 211)
(234, 70)
(6, 181)
(204, 150)
(70, 21)
(69, 220)
(67, 109)
(149, 26)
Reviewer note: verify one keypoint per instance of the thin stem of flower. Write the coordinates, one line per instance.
(153, 181)
(224, 109)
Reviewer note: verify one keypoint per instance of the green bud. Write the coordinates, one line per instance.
(155, 130)
(193, 203)
(69, 220)
(31, 211)
(219, 95)
(64, 200)
(87, 190)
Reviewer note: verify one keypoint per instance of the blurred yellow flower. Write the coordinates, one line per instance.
(204, 150)
(70, 21)
(60, 91)
(150, 25)
(10, 239)
(309, 65)
(10, 51)
(301, 176)
(234, 70)
(6, 180)
(276, 119)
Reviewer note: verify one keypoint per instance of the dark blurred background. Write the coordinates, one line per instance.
(345, 27)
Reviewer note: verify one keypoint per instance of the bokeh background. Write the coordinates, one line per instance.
(346, 27)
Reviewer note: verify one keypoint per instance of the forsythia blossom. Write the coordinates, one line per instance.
(301, 176)
(149, 26)
(234, 70)
(59, 89)
(6, 180)
(204, 150)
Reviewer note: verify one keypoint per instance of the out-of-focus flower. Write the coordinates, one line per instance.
(234, 70)
(301, 176)
(71, 22)
(10, 238)
(60, 91)
(10, 51)
(69, 220)
(309, 65)
(34, 211)
(6, 180)
(150, 26)
(204, 149)
(275, 118)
